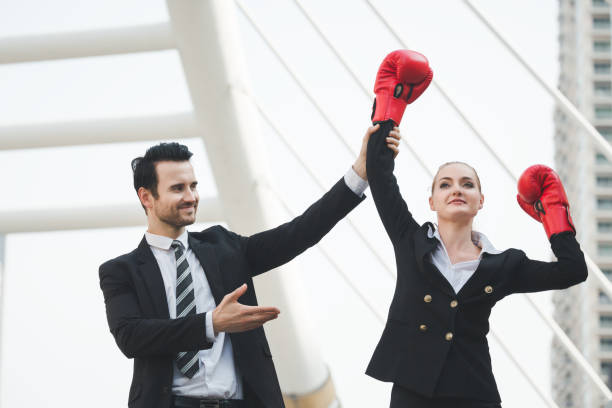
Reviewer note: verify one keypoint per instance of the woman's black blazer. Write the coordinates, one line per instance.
(434, 342)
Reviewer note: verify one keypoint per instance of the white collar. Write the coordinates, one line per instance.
(478, 238)
(162, 242)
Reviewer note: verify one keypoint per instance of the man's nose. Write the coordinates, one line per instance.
(189, 196)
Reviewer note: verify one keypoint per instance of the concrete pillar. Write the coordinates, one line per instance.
(208, 40)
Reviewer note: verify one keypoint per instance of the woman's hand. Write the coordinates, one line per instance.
(393, 141)
(542, 196)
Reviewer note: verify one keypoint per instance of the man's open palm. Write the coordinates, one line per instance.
(231, 316)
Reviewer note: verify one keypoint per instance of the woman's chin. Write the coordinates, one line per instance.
(457, 215)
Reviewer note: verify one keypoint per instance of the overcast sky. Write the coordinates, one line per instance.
(56, 348)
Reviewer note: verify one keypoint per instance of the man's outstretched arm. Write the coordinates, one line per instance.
(272, 248)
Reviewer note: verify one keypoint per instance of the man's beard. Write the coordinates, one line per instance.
(175, 219)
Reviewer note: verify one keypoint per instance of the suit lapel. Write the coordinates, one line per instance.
(489, 263)
(423, 245)
(208, 259)
(152, 277)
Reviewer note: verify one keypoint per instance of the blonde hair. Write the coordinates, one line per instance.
(433, 183)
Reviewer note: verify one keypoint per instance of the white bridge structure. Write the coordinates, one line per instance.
(253, 107)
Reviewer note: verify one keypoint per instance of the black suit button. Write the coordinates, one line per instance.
(165, 390)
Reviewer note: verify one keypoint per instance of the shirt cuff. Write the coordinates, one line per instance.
(210, 331)
(354, 182)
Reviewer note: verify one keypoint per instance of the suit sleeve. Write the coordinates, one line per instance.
(269, 249)
(390, 205)
(569, 269)
(138, 336)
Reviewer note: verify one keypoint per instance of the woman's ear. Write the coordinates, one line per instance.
(431, 206)
(481, 201)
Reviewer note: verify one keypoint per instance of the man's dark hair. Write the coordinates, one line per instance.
(144, 167)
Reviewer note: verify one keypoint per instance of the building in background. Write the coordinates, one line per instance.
(584, 311)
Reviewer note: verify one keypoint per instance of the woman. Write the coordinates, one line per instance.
(434, 346)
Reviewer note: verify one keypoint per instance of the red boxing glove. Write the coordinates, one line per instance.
(402, 77)
(541, 195)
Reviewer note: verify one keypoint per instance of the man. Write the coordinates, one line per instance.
(172, 303)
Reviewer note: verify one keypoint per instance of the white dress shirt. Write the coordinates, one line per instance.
(217, 376)
(458, 274)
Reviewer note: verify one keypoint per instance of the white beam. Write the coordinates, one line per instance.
(84, 132)
(104, 216)
(2, 248)
(78, 44)
(209, 44)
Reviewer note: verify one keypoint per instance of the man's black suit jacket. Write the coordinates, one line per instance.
(137, 309)
(434, 342)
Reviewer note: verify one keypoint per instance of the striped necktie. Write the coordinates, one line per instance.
(186, 361)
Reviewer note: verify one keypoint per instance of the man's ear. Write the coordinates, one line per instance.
(146, 198)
